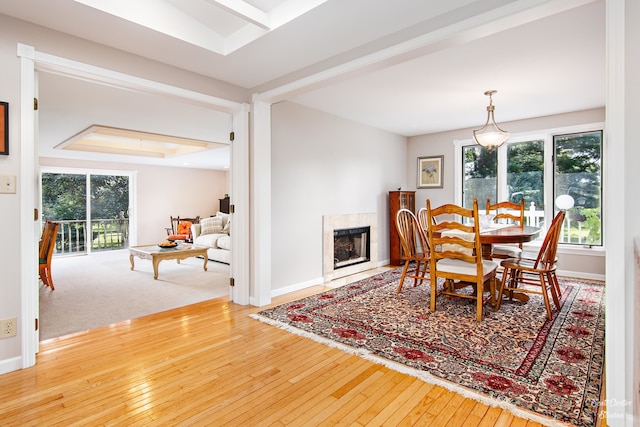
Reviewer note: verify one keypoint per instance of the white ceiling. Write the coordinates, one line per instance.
(407, 66)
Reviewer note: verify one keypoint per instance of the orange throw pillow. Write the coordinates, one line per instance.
(184, 227)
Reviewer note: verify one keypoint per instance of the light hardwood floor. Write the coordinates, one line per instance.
(210, 364)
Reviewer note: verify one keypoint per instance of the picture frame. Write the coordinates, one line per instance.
(4, 128)
(430, 171)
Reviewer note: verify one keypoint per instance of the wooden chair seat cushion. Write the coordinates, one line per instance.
(178, 237)
(527, 265)
(457, 266)
(506, 251)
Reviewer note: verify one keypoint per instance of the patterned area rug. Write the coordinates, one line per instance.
(546, 371)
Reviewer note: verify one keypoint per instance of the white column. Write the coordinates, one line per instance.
(261, 202)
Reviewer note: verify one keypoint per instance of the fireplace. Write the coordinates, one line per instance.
(351, 246)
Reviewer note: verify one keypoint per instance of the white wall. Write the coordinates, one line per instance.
(163, 192)
(322, 164)
(589, 266)
(631, 226)
(10, 203)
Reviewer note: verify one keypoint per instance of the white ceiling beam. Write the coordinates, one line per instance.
(246, 12)
(292, 9)
(163, 17)
(499, 19)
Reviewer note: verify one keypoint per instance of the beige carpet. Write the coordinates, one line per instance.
(100, 289)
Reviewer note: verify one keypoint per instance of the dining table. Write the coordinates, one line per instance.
(499, 234)
(504, 234)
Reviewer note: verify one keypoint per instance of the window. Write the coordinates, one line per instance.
(578, 173)
(92, 209)
(539, 168)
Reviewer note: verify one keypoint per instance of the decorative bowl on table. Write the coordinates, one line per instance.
(168, 244)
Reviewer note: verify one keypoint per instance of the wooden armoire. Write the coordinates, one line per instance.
(398, 200)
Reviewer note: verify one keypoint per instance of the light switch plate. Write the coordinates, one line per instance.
(8, 184)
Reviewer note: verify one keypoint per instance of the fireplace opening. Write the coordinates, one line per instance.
(351, 246)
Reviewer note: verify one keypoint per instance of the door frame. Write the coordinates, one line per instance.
(32, 61)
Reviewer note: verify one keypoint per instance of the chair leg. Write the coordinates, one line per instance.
(404, 273)
(545, 295)
(479, 305)
(45, 276)
(505, 278)
(552, 286)
(416, 274)
(49, 278)
(556, 284)
(423, 272)
(434, 293)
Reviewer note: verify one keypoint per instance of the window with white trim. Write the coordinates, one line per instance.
(538, 168)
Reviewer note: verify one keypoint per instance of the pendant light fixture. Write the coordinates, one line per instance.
(490, 135)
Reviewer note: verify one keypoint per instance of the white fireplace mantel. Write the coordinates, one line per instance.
(342, 221)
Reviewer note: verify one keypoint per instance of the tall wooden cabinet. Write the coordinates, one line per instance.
(224, 205)
(398, 200)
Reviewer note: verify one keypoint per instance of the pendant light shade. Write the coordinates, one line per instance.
(490, 135)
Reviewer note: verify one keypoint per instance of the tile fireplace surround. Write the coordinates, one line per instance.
(341, 221)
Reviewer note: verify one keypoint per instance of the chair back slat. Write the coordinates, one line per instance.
(454, 236)
(48, 240)
(415, 248)
(547, 253)
(503, 211)
(452, 245)
(412, 237)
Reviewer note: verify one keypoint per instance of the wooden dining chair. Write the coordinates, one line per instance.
(511, 213)
(535, 276)
(455, 234)
(45, 253)
(415, 247)
(423, 219)
(181, 228)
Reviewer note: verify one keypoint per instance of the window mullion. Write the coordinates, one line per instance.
(501, 179)
(549, 176)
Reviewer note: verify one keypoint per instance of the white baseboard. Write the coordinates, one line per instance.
(580, 275)
(297, 287)
(9, 365)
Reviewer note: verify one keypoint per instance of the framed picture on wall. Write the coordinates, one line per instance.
(430, 171)
(4, 128)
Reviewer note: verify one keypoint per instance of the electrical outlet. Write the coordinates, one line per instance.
(8, 327)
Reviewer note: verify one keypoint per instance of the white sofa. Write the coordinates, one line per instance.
(213, 232)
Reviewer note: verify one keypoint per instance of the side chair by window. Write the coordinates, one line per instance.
(181, 228)
(415, 248)
(536, 276)
(45, 253)
(503, 213)
(458, 257)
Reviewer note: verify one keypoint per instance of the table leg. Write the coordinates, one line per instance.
(155, 268)
(206, 259)
(131, 261)
(487, 250)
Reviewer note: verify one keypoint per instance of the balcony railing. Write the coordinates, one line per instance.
(570, 232)
(105, 234)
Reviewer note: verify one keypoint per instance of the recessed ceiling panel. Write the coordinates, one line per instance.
(110, 140)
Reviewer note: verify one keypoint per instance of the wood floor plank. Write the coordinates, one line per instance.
(211, 364)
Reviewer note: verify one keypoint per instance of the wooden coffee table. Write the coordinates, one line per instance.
(157, 254)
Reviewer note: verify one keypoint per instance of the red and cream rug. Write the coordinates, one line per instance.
(547, 371)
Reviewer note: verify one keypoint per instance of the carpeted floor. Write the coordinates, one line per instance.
(100, 289)
(547, 371)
